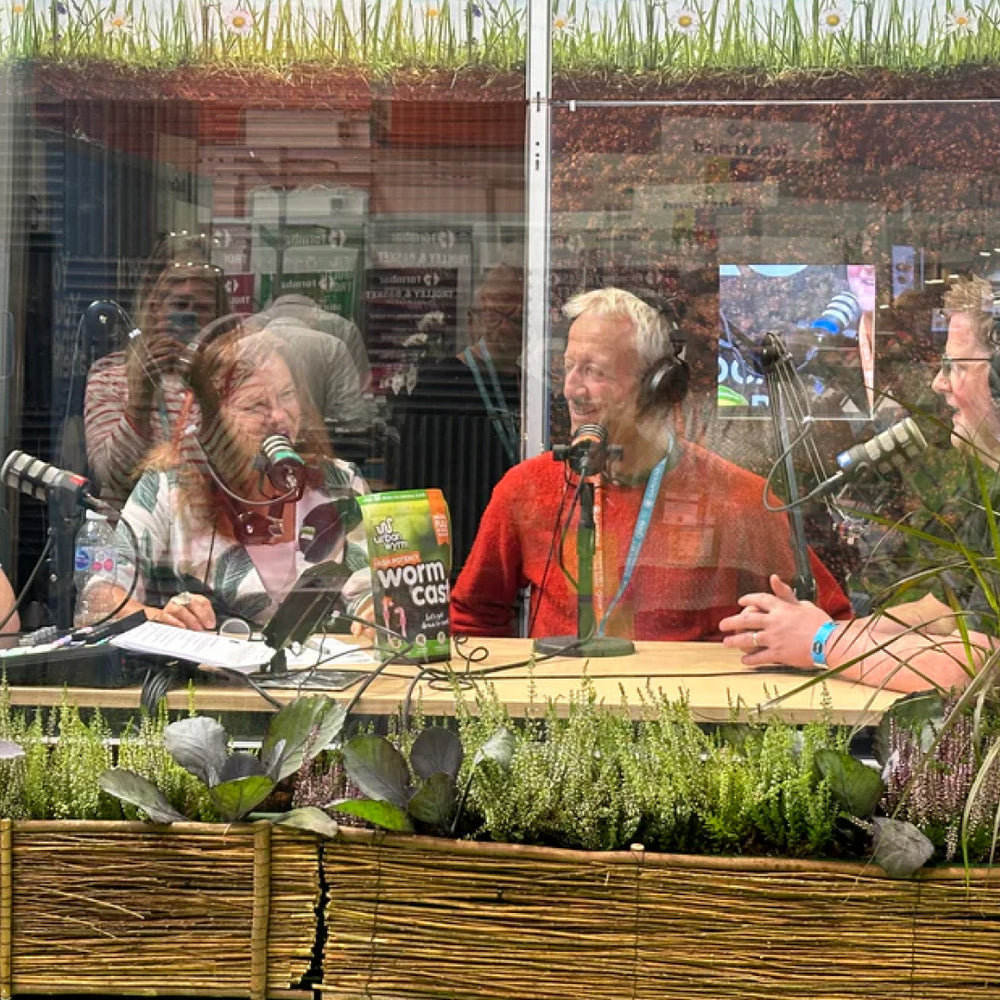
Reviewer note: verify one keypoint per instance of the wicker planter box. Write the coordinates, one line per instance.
(193, 909)
(415, 917)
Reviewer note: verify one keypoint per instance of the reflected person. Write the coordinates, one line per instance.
(135, 397)
(460, 427)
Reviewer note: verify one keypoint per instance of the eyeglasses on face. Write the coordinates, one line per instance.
(948, 364)
(494, 319)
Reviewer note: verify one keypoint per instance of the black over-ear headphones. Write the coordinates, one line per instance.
(665, 382)
(191, 358)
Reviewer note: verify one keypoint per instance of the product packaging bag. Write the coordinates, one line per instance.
(409, 547)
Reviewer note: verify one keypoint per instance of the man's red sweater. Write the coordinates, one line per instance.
(710, 540)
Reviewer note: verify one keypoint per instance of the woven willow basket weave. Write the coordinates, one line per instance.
(191, 908)
(413, 917)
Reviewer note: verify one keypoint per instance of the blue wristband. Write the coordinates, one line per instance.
(819, 643)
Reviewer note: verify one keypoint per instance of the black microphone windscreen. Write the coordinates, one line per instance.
(285, 466)
(325, 526)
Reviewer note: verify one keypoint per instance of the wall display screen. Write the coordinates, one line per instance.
(823, 315)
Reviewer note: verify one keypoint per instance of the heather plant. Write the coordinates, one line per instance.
(589, 777)
(53, 774)
(143, 751)
(942, 774)
(80, 752)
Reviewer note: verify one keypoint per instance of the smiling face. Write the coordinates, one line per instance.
(497, 316)
(601, 375)
(861, 279)
(964, 385)
(265, 402)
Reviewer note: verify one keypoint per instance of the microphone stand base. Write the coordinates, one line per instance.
(572, 645)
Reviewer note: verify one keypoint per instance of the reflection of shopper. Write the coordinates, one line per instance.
(135, 397)
(460, 427)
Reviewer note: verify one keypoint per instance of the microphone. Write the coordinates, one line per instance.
(842, 312)
(895, 446)
(325, 526)
(99, 315)
(587, 453)
(284, 466)
(43, 481)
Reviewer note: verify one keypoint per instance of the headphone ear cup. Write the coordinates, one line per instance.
(664, 385)
(995, 377)
(189, 363)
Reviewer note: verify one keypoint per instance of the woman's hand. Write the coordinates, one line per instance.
(775, 627)
(361, 630)
(185, 610)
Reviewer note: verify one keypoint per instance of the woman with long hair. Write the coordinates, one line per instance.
(228, 532)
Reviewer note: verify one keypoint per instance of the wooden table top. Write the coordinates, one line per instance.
(710, 676)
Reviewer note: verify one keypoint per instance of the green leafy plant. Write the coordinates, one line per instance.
(421, 794)
(141, 749)
(237, 782)
(53, 772)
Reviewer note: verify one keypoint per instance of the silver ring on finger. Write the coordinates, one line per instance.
(183, 599)
(755, 641)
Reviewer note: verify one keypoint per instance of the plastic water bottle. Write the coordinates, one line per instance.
(95, 555)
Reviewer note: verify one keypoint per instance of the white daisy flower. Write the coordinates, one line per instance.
(117, 24)
(562, 25)
(238, 21)
(961, 22)
(833, 19)
(685, 20)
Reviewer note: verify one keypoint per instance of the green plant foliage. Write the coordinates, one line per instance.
(421, 794)
(591, 778)
(236, 782)
(142, 751)
(858, 787)
(55, 774)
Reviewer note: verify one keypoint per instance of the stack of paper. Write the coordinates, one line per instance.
(199, 647)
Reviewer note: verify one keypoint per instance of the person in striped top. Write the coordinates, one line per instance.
(135, 398)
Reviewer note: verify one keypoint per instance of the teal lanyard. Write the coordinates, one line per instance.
(497, 409)
(638, 534)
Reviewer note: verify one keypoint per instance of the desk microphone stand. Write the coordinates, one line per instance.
(64, 520)
(776, 362)
(584, 643)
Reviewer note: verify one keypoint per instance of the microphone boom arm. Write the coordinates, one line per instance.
(776, 362)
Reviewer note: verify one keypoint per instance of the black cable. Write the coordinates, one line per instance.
(548, 558)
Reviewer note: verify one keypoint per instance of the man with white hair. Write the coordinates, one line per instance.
(679, 532)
